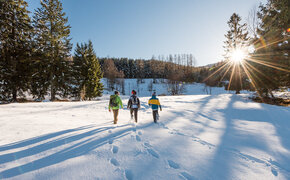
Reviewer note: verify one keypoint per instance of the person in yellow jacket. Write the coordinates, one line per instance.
(114, 104)
(154, 103)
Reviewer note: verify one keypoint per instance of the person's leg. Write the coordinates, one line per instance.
(135, 114)
(131, 112)
(154, 116)
(115, 111)
(157, 115)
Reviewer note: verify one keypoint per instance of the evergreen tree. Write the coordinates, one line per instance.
(94, 87)
(87, 72)
(53, 47)
(15, 48)
(132, 68)
(271, 60)
(80, 71)
(236, 39)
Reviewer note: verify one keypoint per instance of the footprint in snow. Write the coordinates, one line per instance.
(173, 164)
(153, 153)
(115, 149)
(110, 131)
(138, 138)
(129, 174)
(114, 162)
(111, 141)
(274, 172)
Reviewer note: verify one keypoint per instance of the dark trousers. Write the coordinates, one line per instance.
(155, 115)
(115, 112)
(135, 111)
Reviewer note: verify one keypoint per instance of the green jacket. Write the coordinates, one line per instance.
(118, 101)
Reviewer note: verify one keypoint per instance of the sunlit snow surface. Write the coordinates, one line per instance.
(222, 136)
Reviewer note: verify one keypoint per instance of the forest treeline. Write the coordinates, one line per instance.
(36, 56)
(174, 67)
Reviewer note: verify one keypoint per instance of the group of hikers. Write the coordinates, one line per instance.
(134, 105)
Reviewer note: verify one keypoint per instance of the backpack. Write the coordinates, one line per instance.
(134, 100)
(113, 101)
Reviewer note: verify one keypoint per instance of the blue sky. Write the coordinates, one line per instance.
(142, 28)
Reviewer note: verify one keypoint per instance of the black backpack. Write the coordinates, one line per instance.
(113, 101)
(134, 100)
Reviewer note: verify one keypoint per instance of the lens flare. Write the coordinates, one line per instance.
(244, 61)
(238, 55)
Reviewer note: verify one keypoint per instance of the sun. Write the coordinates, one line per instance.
(238, 55)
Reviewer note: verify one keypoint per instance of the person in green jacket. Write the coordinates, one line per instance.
(114, 104)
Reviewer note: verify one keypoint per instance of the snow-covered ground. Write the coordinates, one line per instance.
(223, 136)
(162, 87)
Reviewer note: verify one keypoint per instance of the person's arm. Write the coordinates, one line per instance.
(159, 105)
(129, 103)
(138, 103)
(120, 103)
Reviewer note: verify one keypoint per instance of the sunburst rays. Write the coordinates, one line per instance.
(243, 64)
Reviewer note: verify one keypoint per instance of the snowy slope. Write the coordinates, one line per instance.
(161, 87)
(198, 137)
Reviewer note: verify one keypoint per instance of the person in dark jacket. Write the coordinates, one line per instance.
(134, 105)
(114, 104)
(154, 103)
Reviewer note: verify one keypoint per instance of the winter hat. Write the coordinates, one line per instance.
(154, 94)
(116, 92)
(134, 92)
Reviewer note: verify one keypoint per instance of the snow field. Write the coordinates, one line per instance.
(197, 137)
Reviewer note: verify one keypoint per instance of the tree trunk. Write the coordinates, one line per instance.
(52, 95)
(52, 91)
(272, 95)
(14, 95)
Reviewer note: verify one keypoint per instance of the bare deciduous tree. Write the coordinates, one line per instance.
(253, 22)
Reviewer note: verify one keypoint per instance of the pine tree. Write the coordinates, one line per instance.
(236, 39)
(271, 58)
(79, 74)
(87, 72)
(53, 50)
(94, 87)
(15, 48)
(132, 68)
